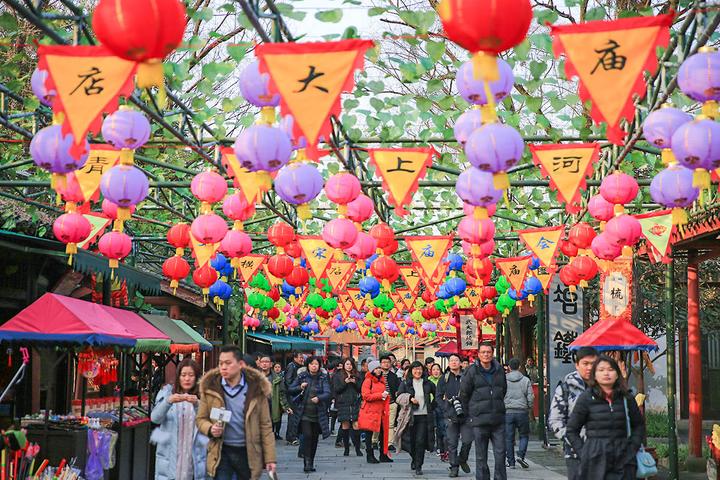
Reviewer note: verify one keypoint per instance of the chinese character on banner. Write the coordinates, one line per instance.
(564, 324)
(400, 170)
(427, 253)
(514, 270)
(467, 332)
(567, 299)
(562, 341)
(616, 291)
(543, 242)
(101, 159)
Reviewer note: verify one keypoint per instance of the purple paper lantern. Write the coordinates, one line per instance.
(254, 87)
(298, 184)
(696, 145)
(286, 124)
(466, 124)
(660, 126)
(673, 188)
(476, 188)
(126, 129)
(37, 83)
(699, 76)
(125, 186)
(263, 147)
(494, 148)
(473, 91)
(50, 150)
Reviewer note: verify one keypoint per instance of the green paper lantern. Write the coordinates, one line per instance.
(329, 304)
(440, 305)
(314, 300)
(502, 285)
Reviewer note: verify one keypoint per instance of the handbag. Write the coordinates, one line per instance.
(646, 466)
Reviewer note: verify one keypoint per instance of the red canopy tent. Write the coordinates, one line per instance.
(608, 335)
(447, 349)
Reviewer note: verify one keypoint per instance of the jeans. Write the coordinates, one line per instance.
(277, 426)
(310, 434)
(418, 438)
(457, 432)
(521, 421)
(483, 435)
(233, 464)
(440, 431)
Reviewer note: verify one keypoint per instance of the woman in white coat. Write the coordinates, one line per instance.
(181, 449)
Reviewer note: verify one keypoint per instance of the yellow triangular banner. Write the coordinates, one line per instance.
(317, 253)
(474, 294)
(407, 297)
(514, 270)
(202, 252)
(657, 229)
(101, 159)
(543, 242)
(402, 327)
(544, 276)
(249, 265)
(428, 253)
(567, 166)
(252, 184)
(97, 224)
(362, 328)
(411, 277)
(400, 170)
(339, 273)
(275, 281)
(345, 303)
(357, 298)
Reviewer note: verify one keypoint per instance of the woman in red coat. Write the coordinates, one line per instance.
(375, 411)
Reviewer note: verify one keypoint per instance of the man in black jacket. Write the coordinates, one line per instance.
(291, 373)
(392, 383)
(448, 392)
(482, 394)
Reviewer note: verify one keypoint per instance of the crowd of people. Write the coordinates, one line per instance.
(225, 424)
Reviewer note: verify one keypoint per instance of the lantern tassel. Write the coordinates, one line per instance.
(583, 284)
(501, 181)
(174, 285)
(58, 181)
(150, 74)
(118, 225)
(342, 210)
(338, 254)
(602, 226)
(238, 226)
(485, 67)
(127, 156)
(679, 216)
(480, 213)
(619, 209)
(303, 211)
(267, 115)
(179, 252)
(711, 109)
(300, 156)
(668, 157)
(71, 249)
(701, 179)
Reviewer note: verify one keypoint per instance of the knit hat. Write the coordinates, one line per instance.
(373, 365)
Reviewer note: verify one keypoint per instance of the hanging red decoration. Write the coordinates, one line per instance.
(569, 277)
(176, 269)
(569, 249)
(115, 246)
(71, 229)
(581, 235)
(383, 235)
(204, 277)
(209, 228)
(488, 293)
(386, 270)
(298, 278)
(281, 235)
(280, 265)
(179, 237)
(584, 268)
(391, 248)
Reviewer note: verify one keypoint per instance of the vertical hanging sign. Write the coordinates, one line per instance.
(616, 291)
(565, 323)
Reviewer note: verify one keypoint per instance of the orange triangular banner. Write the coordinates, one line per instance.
(657, 228)
(357, 298)
(101, 159)
(97, 224)
(249, 265)
(545, 279)
(250, 183)
(317, 252)
(567, 166)
(609, 57)
(402, 327)
(88, 81)
(514, 270)
(339, 273)
(400, 170)
(428, 254)
(310, 78)
(543, 242)
(362, 328)
(407, 298)
(474, 294)
(411, 277)
(202, 252)
(345, 303)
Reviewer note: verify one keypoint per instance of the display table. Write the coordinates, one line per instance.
(57, 443)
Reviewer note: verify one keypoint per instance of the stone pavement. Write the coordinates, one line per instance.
(332, 465)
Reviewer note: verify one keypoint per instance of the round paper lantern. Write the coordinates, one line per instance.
(37, 83)
(696, 145)
(472, 89)
(383, 234)
(391, 247)
(568, 248)
(477, 267)
(495, 148)
(585, 269)
(179, 237)
(619, 189)
(125, 186)
(673, 188)
(699, 79)
(363, 248)
(600, 209)
(115, 246)
(220, 292)
(385, 269)
(236, 244)
(475, 187)
(299, 184)
(210, 187)
(659, 127)
(581, 235)
(110, 210)
(126, 129)
(263, 147)
(604, 249)
(255, 86)
(280, 265)
(204, 277)
(71, 228)
(360, 209)
(281, 234)
(476, 231)
(52, 151)
(176, 268)
(131, 30)
(488, 293)
(569, 277)
(490, 310)
(209, 228)
(293, 249)
(298, 277)
(466, 124)
(342, 189)
(236, 208)
(369, 286)
(340, 233)
(625, 231)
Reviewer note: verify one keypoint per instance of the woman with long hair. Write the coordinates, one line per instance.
(347, 388)
(419, 434)
(311, 391)
(439, 420)
(614, 426)
(181, 449)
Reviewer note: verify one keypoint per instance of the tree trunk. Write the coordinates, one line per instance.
(515, 337)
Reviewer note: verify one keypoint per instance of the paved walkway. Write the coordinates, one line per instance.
(332, 465)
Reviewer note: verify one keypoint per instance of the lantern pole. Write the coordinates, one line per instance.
(670, 362)
(541, 305)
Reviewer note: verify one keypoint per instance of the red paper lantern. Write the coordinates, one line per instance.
(274, 294)
(342, 189)
(281, 235)
(385, 269)
(294, 249)
(204, 277)
(569, 277)
(273, 313)
(478, 267)
(71, 228)
(427, 296)
(490, 310)
(115, 246)
(488, 293)
(280, 265)
(209, 228)
(175, 268)
(584, 268)
(382, 234)
(132, 30)
(568, 248)
(581, 235)
(623, 231)
(110, 210)
(479, 314)
(298, 277)
(391, 248)
(433, 312)
(179, 237)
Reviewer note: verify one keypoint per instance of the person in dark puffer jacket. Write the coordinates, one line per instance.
(608, 453)
(347, 388)
(482, 394)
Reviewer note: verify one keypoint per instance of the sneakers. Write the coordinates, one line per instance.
(522, 462)
(465, 467)
(385, 459)
(391, 449)
(512, 467)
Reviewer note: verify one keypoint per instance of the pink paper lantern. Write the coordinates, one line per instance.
(236, 244)
(209, 228)
(360, 209)
(363, 248)
(110, 210)
(604, 249)
(340, 233)
(71, 229)
(601, 209)
(342, 188)
(623, 230)
(619, 189)
(209, 187)
(476, 231)
(115, 246)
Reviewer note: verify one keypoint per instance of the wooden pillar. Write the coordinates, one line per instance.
(694, 359)
(670, 342)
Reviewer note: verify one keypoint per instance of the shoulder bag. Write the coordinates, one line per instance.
(646, 466)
